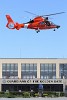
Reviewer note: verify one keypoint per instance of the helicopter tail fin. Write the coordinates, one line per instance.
(9, 19)
(10, 23)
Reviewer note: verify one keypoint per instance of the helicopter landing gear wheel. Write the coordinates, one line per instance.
(54, 30)
(37, 30)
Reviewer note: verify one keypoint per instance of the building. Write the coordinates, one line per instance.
(26, 74)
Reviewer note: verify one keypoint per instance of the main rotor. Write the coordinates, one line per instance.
(45, 16)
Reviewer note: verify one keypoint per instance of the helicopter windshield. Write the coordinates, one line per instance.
(31, 21)
(52, 23)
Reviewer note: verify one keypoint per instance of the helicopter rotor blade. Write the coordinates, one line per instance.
(53, 14)
(31, 13)
(44, 15)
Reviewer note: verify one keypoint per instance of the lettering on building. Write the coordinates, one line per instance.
(32, 81)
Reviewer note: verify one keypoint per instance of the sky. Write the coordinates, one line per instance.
(26, 43)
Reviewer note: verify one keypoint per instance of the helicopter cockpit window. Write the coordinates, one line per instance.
(52, 23)
(42, 23)
(31, 21)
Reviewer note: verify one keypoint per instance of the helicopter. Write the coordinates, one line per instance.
(38, 23)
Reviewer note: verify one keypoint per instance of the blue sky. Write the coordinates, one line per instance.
(27, 43)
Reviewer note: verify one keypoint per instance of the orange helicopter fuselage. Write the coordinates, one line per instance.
(38, 23)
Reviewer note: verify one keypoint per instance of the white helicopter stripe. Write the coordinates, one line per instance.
(26, 25)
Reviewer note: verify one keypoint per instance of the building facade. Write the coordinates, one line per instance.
(33, 74)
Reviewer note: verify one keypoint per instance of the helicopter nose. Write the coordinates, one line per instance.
(58, 26)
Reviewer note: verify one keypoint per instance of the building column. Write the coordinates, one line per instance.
(19, 70)
(0, 70)
(0, 87)
(57, 70)
(64, 85)
(38, 70)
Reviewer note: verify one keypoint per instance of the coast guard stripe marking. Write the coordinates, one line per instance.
(26, 25)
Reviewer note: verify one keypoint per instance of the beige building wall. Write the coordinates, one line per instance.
(19, 70)
(57, 71)
(32, 60)
(0, 69)
(38, 70)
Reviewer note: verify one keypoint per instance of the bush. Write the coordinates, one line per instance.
(8, 95)
(61, 94)
(44, 95)
(36, 95)
(1, 92)
(17, 94)
(26, 94)
(32, 94)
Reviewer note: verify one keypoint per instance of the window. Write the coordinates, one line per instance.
(28, 71)
(47, 71)
(9, 70)
(63, 71)
(42, 23)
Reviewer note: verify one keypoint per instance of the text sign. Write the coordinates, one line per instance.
(32, 81)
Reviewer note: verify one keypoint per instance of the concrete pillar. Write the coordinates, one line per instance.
(0, 87)
(38, 70)
(57, 70)
(19, 70)
(0, 70)
(0, 84)
(64, 85)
